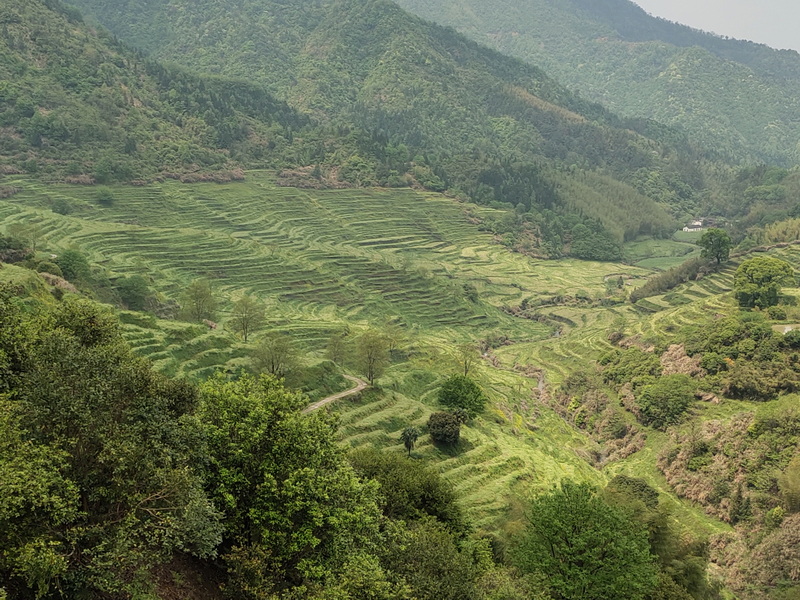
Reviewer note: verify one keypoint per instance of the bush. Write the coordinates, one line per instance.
(49, 267)
(444, 428)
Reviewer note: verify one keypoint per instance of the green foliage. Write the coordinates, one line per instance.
(444, 428)
(13, 250)
(97, 452)
(716, 244)
(663, 403)
(584, 548)
(463, 118)
(292, 504)
(409, 436)
(372, 354)
(669, 279)
(459, 391)
(135, 292)
(428, 558)
(198, 302)
(73, 265)
(621, 366)
(275, 355)
(758, 281)
(729, 98)
(410, 491)
(247, 316)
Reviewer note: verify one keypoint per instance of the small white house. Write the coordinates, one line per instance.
(694, 226)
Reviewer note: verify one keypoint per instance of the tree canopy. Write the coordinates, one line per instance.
(462, 392)
(758, 281)
(716, 244)
(584, 548)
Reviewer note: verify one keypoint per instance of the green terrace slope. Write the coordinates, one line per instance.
(738, 97)
(327, 261)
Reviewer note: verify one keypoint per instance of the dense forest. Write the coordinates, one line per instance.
(738, 97)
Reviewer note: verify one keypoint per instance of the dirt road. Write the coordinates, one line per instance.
(360, 385)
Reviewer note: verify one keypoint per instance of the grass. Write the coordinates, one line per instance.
(326, 261)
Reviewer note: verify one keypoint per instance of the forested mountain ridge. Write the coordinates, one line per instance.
(737, 96)
(459, 116)
(75, 104)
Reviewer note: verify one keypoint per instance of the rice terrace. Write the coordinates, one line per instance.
(327, 261)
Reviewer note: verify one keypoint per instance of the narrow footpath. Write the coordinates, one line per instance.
(360, 385)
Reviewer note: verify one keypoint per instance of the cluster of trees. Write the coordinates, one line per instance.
(639, 61)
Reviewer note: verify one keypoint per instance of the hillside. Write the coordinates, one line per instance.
(469, 120)
(76, 105)
(738, 97)
(432, 280)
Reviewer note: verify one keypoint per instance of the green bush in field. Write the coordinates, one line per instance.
(444, 428)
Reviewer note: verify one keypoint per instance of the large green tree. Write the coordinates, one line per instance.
(295, 510)
(462, 392)
(758, 281)
(585, 548)
(97, 472)
(716, 244)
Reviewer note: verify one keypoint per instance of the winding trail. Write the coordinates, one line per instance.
(360, 385)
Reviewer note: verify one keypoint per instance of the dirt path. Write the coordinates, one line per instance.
(360, 385)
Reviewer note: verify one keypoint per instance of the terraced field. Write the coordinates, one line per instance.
(327, 260)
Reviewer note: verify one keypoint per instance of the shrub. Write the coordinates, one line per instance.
(444, 428)
(663, 403)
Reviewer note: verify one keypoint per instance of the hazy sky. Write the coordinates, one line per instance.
(772, 22)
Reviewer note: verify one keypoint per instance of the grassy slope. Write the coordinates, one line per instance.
(326, 260)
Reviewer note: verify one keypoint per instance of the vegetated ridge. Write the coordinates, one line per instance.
(736, 96)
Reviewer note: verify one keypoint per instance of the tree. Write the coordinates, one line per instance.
(716, 244)
(275, 355)
(409, 437)
(337, 349)
(444, 428)
(459, 391)
(664, 402)
(295, 510)
(410, 491)
(247, 316)
(73, 265)
(758, 281)
(585, 548)
(373, 354)
(134, 292)
(198, 301)
(466, 355)
(30, 233)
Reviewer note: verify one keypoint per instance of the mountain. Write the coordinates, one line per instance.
(739, 97)
(76, 104)
(457, 115)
